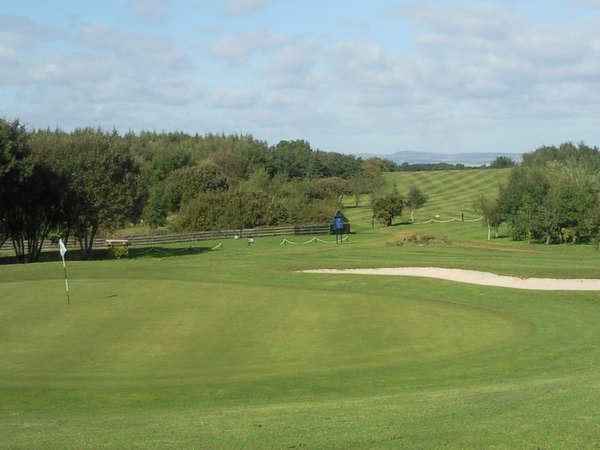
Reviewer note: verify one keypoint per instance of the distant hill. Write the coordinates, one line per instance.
(468, 159)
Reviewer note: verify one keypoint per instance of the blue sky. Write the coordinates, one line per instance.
(348, 76)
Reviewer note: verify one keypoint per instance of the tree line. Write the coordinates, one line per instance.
(552, 197)
(81, 184)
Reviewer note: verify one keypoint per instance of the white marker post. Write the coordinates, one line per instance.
(62, 249)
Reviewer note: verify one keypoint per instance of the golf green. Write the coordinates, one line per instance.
(173, 332)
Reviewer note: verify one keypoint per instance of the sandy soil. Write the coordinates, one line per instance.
(475, 277)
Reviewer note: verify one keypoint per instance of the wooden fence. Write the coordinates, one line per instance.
(174, 238)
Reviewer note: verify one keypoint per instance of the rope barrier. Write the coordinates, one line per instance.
(310, 241)
(453, 219)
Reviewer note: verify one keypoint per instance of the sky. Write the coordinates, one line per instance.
(350, 76)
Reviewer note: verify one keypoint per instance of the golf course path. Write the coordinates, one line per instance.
(476, 277)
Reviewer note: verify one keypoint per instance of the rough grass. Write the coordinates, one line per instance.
(236, 348)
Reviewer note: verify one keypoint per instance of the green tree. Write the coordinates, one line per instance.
(292, 159)
(155, 209)
(104, 183)
(15, 168)
(550, 198)
(185, 184)
(387, 206)
(488, 208)
(338, 165)
(337, 185)
(580, 153)
(308, 201)
(362, 185)
(520, 200)
(502, 162)
(30, 193)
(415, 200)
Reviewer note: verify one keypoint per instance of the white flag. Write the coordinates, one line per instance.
(61, 248)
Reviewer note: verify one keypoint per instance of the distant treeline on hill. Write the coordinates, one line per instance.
(422, 167)
(390, 166)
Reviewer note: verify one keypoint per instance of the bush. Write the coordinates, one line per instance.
(118, 252)
(420, 240)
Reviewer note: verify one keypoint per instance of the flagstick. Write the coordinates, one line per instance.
(62, 249)
(66, 282)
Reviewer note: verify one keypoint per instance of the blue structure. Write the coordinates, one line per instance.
(338, 223)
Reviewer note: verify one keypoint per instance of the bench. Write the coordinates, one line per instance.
(113, 242)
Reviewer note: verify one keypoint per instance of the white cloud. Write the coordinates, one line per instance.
(593, 3)
(152, 11)
(233, 98)
(473, 54)
(474, 73)
(296, 66)
(176, 92)
(244, 7)
(24, 30)
(240, 47)
(113, 67)
(136, 51)
(482, 19)
(7, 53)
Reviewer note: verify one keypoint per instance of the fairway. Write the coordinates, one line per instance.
(450, 191)
(237, 348)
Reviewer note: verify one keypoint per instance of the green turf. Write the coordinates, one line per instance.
(236, 348)
(451, 192)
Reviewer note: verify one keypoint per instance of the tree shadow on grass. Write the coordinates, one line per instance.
(164, 252)
(100, 254)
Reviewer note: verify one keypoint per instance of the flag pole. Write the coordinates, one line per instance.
(66, 282)
(63, 249)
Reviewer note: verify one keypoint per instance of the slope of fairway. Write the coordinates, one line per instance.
(450, 192)
(236, 348)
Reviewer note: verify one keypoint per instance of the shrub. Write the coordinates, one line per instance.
(420, 240)
(118, 252)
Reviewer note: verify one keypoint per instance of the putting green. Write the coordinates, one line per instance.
(161, 333)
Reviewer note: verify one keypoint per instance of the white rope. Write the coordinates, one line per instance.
(316, 239)
(218, 246)
(453, 219)
(310, 241)
(285, 241)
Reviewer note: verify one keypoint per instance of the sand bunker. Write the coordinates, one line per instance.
(475, 277)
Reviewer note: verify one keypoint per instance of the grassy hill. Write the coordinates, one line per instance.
(182, 347)
(450, 192)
